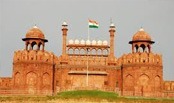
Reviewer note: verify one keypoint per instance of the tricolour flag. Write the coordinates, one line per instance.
(93, 24)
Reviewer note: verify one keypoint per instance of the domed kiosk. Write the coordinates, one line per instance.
(141, 41)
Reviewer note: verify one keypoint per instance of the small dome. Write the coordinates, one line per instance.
(88, 42)
(99, 42)
(94, 42)
(105, 42)
(64, 23)
(112, 25)
(141, 35)
(71, 42)
(76, 41)
(35, 32)
(82, 42)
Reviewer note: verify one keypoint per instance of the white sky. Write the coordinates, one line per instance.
(155, 16)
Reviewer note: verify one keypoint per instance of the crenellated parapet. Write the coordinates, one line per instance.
(140, 58)
(168, 86)
(33, 56)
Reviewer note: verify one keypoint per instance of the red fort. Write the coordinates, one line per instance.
(89, 65)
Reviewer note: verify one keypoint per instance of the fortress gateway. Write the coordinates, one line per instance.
(89, 65)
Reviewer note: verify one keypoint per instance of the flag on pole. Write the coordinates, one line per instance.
(93, 24)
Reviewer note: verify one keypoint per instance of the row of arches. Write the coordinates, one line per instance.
(82, 51)
(143, 83)
(32, 78)
(35, 45)
(141, 48)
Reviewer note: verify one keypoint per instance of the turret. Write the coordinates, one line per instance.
(141, 42)
(34, 39)
(64, 35)
(112, 34)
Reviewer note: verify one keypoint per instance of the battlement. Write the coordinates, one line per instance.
(141, 58)
(5, 83)
(82, 60)
(33, 56)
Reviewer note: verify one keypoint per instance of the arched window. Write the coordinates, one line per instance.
(93, 52)
(34, 46)
(99, 52)
(142, 48)
(136, 48)
(82, 51)
(70, 51)
(105, 52)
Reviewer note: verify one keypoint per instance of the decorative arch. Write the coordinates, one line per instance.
(143, 80)
(157, 83)
(46, 79)
(17, 78)
(31, 82)
(129, 83)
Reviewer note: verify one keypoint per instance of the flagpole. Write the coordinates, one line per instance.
(87, 61)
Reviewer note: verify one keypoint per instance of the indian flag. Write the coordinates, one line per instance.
(93, 24)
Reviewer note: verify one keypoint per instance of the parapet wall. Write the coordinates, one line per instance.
(33, 56)
(141, 58)
(5, 83)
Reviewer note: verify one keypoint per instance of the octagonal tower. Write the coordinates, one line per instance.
(33, 66)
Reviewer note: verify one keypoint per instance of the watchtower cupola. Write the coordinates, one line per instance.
(141, 42)
(34, 39)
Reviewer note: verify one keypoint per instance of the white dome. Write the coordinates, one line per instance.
(105, 42)
(94, 42)
(82, 42)
(71, 42)
(76, 41)
(64, 23)
(88, 42)
(99, 42)
(112, 25)
(141, 29)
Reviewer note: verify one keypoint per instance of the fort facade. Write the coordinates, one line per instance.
(89, 65)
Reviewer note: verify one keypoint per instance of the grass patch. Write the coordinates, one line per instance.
(87, 94)
(83, 96)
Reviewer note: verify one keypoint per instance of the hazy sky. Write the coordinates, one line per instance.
(155, 16)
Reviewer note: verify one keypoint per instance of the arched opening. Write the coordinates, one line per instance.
(99, 52)
(105, 52)
(136, 48)
(17, 78)
(34, 46)
(93, 52)
(142, 48)
(40, 46)
(76, 51)
(70, 51)
(82, 51)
